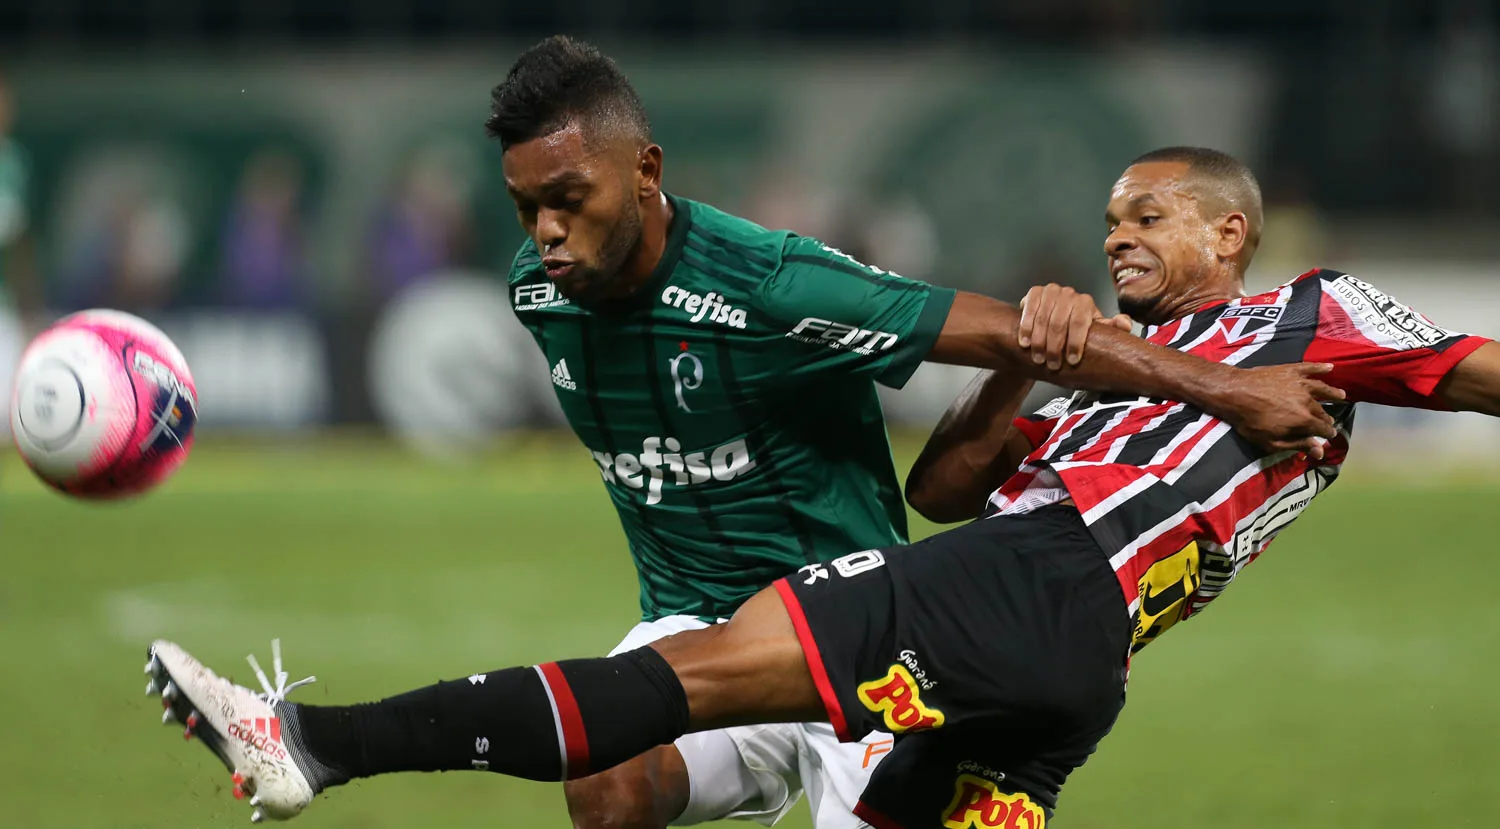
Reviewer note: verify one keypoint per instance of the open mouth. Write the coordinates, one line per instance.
(1125, 276)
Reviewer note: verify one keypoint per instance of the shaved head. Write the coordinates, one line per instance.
(1221, 184)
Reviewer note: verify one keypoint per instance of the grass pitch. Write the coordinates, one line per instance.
(1349, 680)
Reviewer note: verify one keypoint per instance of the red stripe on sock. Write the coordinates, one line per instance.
(814, 660)
(574, 736)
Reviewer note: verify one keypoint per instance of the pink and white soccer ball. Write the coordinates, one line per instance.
(104, 405)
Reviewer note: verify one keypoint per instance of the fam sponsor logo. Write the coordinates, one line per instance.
(537, 296)
(660, 457)
(1386, 316)
(841, 337)
(699, 307)
(978, 803)
(897, 697)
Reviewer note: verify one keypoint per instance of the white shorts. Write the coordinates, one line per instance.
(758, 772)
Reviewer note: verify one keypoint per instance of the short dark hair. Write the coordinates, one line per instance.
(557, 82)
(1225, 184)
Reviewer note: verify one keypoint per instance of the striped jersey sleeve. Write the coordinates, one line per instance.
(1382, 351)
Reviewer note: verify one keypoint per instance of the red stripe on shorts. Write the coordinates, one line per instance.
(869, 815)
(814, 660)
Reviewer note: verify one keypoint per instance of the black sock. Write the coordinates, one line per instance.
(602, 711)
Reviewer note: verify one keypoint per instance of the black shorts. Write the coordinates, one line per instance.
(996, 652)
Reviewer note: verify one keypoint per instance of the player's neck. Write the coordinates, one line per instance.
(1207, 295)
(656, 225)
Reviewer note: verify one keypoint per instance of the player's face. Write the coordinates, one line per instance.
(579, 204)
(1160, 248)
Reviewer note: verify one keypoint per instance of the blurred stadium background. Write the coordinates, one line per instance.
(300, 194)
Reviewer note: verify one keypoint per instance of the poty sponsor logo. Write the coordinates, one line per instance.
(897, 697)
(979, 804)
(539, 295)
(840, 337)
(710, 306)
(660, 456)
(262, 734)
(1387, 316)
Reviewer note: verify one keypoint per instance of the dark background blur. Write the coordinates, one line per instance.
(285, 186)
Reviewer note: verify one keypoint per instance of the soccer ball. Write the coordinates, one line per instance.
(104, 405)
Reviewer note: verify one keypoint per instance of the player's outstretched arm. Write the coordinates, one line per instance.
(1474, 384)
(1277, 407)
(975, 445)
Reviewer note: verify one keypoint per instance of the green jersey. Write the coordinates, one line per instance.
(730, 403)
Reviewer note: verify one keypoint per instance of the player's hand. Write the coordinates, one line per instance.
(1279, 408)
(1055, 323)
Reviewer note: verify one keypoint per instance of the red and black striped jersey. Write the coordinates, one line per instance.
(1177, 499)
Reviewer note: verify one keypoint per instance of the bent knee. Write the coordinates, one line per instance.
(640, 794)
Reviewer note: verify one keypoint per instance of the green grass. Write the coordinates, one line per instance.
(1348, 681)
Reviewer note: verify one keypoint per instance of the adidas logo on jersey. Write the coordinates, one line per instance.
(561, 376)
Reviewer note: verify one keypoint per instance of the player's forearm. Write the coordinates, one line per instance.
(1474, 384)
(972, 450)
(982, 332)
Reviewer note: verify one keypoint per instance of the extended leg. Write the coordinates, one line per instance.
(548, 722)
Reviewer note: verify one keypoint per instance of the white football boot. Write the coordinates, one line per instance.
(243, 727)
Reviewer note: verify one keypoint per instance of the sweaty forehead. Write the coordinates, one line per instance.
(1160, 183)
(559, 157)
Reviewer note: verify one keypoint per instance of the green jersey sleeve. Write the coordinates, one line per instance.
(842, 315)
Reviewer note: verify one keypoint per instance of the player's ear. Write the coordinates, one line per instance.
(648, 173)
(1234, 234)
